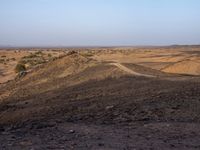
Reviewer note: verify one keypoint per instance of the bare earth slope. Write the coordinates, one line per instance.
(76, 102)
(190, 67)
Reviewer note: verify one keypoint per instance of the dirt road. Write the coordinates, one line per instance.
(124, 68)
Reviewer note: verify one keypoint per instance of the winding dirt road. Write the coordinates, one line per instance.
(124, 68)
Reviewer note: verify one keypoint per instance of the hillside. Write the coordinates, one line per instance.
(190, 67)
(75, 98)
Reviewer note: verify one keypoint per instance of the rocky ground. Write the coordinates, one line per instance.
(125, 113)
(136, 136)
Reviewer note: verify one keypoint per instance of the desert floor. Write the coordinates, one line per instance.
(101, 98)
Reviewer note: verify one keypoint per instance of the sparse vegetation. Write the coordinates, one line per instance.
(34, 59)
(13, 59)
(114, 88)
(20, 67)
(30, 56)
(38, 53)
(49, 55)
(71, 52)
(87, 54)
(2, 60)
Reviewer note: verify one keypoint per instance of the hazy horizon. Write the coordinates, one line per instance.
(67, 23)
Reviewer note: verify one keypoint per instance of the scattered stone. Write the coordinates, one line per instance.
(109, 107)
(71, 131)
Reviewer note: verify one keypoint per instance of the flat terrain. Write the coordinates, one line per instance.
(101, 98)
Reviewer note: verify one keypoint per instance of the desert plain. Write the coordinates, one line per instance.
(100, 98)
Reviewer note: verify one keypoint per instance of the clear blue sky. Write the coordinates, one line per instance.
(99, 22)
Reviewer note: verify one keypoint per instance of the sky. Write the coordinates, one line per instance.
(99, 22)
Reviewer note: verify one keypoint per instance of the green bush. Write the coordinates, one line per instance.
(20, 67)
